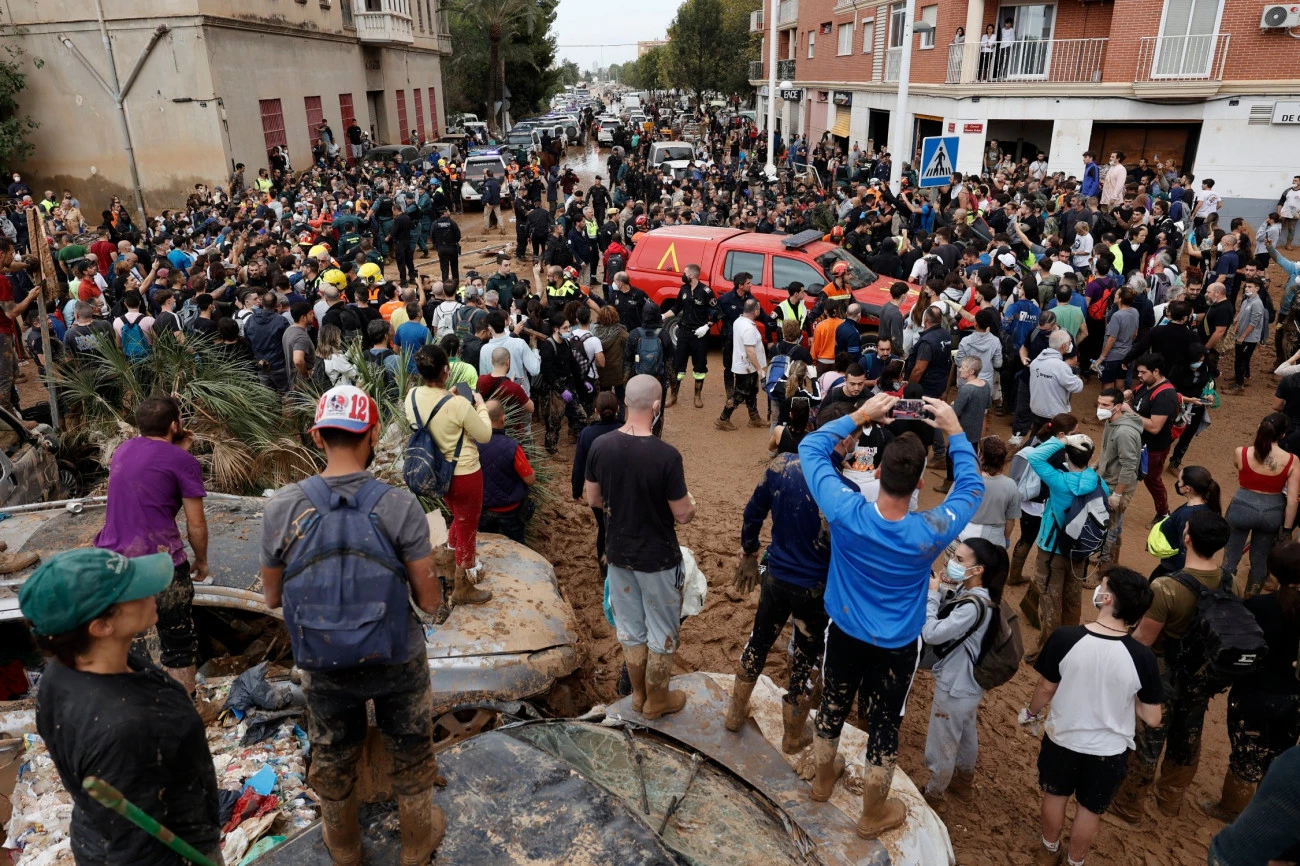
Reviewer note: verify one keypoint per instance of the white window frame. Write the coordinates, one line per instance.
(845, 37)
(868, 35)
(812, 43)
(897, 24)
(929, 15)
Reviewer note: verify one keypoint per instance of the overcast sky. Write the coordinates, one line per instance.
(608, 23)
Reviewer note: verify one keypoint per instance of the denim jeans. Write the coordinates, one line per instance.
(1257, 517)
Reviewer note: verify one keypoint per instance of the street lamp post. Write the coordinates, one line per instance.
(770, 27)
(898, 123)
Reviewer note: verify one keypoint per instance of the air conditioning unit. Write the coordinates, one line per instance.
(1280, 16)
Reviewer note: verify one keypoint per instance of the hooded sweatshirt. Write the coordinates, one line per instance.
(1121, 450)
(985, 346)
(1051, 382)
(1062, 485)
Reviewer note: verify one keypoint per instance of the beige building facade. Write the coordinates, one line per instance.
(211, 83)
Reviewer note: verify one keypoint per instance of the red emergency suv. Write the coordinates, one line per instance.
(656, 263)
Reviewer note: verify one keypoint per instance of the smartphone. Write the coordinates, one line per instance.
(907, 410)
(463, 390)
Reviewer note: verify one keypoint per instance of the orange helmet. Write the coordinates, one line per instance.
(642, 220)
(838, 232)
(572, 273)
(839, 268)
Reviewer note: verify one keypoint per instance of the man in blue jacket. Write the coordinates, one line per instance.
(1091, 185)
(492, 203)
(881, 557)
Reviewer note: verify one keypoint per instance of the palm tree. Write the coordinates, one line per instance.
(501, 21)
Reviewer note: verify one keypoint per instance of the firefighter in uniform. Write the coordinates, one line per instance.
(836, 290)
(699, 309)
(445, 236)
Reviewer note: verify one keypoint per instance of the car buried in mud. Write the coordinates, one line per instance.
(514, 648)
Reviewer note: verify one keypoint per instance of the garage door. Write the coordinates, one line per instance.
(841, 126)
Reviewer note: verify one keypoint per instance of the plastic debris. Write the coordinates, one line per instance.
(263, 781)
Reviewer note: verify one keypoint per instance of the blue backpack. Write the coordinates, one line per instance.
(649, 358)
(424, 468)
(776, 374)
(135, 345)
(345, 588)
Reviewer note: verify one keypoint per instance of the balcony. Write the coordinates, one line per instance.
(444, 43)
(893, 60)
(384, 22)
(756, 21)
(756, 70)
(1028, 61)
(1189, 65)
(787, 15)
(785, 70)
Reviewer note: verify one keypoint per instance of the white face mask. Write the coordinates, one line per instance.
(1104, 414)
(1096, 597)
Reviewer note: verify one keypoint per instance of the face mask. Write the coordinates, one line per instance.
(956, 572)
(1096, 597)
(1196, 365)
(655, 422)
(1105, 414)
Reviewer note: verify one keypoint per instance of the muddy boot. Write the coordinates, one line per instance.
(1129, 802)
(635, 656)
(1173, 782)
(1047, 857)
(465, 592)
(12, 562)
(830, 766)
(699, 390)
(738, 710)
(1016, 576)
(724, 424)
(962, 786)
(880, 812)
(1029, 606)
(1234, 798)
(659, 700)
(673, 388)
(755, 420)
(341, 829)
(423, 826)
(796, 732)
(945, 486)
(184, 676)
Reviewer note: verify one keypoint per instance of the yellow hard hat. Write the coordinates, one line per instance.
(335, 277)
(370, 272)
(316, 251)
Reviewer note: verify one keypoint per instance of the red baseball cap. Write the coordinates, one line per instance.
(346, 407)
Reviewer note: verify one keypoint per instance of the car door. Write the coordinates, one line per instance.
(28, 469)
(743, 261)
(788, 269)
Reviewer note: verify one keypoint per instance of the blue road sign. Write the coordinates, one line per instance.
(938, 160)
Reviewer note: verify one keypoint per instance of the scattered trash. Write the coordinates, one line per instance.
(262, 782)
(251, 689)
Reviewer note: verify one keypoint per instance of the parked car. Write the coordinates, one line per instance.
(656, 263)
(476, 165)
(671, 155)
(385, 152)
(607, 130)
(30, 469)
(445, 149)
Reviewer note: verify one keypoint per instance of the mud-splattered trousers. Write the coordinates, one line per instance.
(176, 635)
(1182, 716)
(952, 740)
(879, 678)
(778, 602)
(647, 606)
(1261, 726)
(336, 724)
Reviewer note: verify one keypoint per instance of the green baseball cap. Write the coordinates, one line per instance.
(73, 587)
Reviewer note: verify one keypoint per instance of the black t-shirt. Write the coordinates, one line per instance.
(1216, 316)
(1275, 673)
(871, 445)
(140, 732)
(638, 477)
(1288, 391)
(1164, 402)
(205, 328)
(166, 325)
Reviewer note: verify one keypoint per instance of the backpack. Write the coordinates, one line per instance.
(1097, 309)
(776, 371)
(1086, 521)
(187, 315)
(320, 377)
(462, 322)
(1223, 642)
(1001, 649)
(345, 589)
(444, 319)
(135, 345)
(587, 371)
(376, 360)
(649, 357)
(1029, 485)
(424, 469)
(935, 268)
(616, 264)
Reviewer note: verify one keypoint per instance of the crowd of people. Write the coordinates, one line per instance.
(1010, 289)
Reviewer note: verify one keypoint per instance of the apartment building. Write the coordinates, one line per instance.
(209, 83)
(1208, 84)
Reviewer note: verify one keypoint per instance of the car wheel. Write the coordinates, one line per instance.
(460, 724)
(71, 481)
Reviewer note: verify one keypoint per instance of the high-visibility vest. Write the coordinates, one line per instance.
(787, 310)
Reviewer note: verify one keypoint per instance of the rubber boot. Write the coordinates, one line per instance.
(1173, 782)
(699, 390)
(880, 812)
(1016, 576)
(797, 733)
(12, 562)
(830, 766)
(1236, 794)
(659, 699)
(635, 656)
(1129, 802)
(738, 710)
(465, 592)
(342, 830)
(423, 826)
(1029, 606)
(184, 676)
(673, 388)
(962, 786)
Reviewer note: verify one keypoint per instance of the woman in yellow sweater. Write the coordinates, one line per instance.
(457, 425)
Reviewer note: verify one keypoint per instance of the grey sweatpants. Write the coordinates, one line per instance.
(952, 741)
(647, 607)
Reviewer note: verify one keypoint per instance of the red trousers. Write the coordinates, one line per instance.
(465, 499)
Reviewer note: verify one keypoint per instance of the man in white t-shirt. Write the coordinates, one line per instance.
(1207, 202)
(1038, 168)
(1099, 680)
(748, 363)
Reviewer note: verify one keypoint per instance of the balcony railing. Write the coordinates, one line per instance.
(384, 21)
(756, 21)
(444, 43)
(893, 60)
(785, 70)
(787, 15)
(1055, 61)
(755, 70)
(1182, 58)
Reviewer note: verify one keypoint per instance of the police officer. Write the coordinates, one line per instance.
(428, 212)
(446, 243)
(699, 309)
(630, 302)
(793, 307)
(730, 306)
(381, 216)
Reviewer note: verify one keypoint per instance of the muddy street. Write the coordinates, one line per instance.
(721, 470)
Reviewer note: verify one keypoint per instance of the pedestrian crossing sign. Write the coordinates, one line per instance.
(938, 160)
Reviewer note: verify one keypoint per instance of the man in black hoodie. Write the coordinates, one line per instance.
(264, 330)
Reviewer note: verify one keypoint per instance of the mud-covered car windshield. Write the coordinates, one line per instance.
(860, 276)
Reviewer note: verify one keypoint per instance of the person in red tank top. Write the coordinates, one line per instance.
(1264, 506)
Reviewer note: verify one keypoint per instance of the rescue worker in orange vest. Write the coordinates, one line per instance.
(836, 290)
